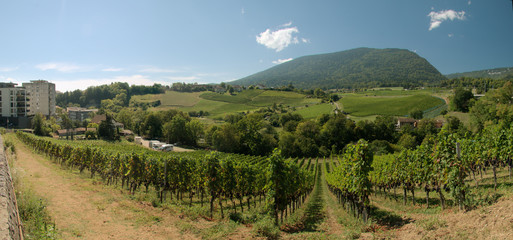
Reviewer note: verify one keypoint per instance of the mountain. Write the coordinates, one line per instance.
(361, 67)
(496, 73)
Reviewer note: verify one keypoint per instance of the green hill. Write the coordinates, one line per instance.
(361, 67)
(496, 73)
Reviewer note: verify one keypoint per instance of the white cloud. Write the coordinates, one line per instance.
(61, 67)
(184, 79)
(469, 2)
(438, 18)
(157, 70)
(8, 69)
(450, 35)
(112, 69)
(7, 79)
(280, 61)
(279, 39)
(304, 40)
(286, 24)
(242, 12)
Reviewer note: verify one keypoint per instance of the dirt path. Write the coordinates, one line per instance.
(85, 209)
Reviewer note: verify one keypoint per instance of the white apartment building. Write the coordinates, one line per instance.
(41, 97)
(12, 100)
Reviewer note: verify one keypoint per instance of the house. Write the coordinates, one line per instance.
(219, 89)
(439, 124)
(237, 88)
(126, 132)
(62, 133)
(102, 117)
(80, 114)
(402, 121)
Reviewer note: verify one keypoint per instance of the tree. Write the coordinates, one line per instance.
(152, 126)
(125, 116)
(461, 100)
(226, 139)
(66, 124)
(196, 130)
(407, 141)
(176, 130)
(106, 129)
(38, 124)
(417, 114)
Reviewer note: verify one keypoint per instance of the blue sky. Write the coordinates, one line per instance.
(76, 44)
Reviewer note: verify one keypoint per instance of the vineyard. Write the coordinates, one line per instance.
(444, 170)
(211, 176)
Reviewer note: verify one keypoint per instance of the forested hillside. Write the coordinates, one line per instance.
(496, 73)
(356, 68)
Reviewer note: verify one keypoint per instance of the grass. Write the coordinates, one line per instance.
(36, 220)
(314, 111)
(171, 99)
(362, 106)
(219, 105)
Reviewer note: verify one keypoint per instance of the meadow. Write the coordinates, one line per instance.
(368, 104)
(218, 105)
(364, 105)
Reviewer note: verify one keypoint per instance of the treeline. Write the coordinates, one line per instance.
(191, 87)
(119, 92)
(481, 85)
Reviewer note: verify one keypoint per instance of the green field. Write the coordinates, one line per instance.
(171, 99)
(390, 102)
(314, 111)
(219, 105)
(361, 105)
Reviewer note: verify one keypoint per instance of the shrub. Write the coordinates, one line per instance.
(266, 228)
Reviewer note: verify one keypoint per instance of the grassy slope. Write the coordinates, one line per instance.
(314, 111)
(366, 105)
(218, 105)
(363, 105)
(171, 99)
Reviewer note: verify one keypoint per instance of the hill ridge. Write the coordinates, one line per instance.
(354, 68)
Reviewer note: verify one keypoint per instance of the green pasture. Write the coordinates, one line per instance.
(171, 99)
(314, 111)
(359, 105)
(218, 105)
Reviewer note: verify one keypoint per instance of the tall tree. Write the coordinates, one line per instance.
(461, 100)
(38, 124)
(106, 129)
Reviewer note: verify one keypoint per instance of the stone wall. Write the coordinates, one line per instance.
(10, 226)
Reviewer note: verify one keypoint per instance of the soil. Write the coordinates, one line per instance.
(85, 209)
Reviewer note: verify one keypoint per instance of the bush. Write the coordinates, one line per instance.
(266, 228)
(130, 138)
(36, 220)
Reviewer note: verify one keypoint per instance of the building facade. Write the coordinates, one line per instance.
(80, 114)
(41, 97)
(13, 100)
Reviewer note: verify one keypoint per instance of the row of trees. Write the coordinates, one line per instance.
(118, 93)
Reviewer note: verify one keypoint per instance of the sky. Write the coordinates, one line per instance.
(76, 44)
